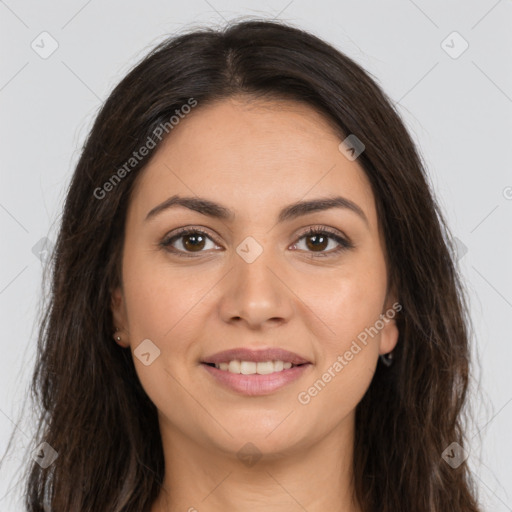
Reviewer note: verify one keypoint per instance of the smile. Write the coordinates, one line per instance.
(247, 380)
(252, 367)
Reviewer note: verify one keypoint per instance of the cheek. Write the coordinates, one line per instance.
(339, 387)
(351, 301)
(157, 308)
(158, 298)
(350, 305)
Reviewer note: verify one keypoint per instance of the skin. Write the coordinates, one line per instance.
(254, 157)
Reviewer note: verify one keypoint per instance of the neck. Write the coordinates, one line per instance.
(316, 477)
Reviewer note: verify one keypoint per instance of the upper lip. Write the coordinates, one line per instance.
(246, 354)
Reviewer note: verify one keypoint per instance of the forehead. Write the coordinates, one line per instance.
(253, 156)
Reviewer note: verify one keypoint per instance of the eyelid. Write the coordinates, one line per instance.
(324, 229)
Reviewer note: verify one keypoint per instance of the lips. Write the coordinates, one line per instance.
(258, 356)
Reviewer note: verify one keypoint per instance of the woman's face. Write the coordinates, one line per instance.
(254, 279)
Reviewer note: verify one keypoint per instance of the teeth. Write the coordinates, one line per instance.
(234, 367)
(251, 367)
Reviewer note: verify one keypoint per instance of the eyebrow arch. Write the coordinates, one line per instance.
(292, 211)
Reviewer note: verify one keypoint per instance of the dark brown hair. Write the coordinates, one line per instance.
(93, 410)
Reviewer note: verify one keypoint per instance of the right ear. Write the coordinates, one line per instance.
(118, 308)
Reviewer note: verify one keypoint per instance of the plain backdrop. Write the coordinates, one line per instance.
(447, 66)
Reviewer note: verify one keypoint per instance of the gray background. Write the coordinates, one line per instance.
(458, 109)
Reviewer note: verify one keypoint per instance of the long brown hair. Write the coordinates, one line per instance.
(93, 409)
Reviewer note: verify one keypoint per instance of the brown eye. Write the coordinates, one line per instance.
(317, 240)
(193, 242)
(188, 241)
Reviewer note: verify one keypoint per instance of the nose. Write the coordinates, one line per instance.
(255, 294)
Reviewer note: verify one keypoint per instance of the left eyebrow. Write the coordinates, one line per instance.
(292, 211)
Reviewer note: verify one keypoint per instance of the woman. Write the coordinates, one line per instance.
(254, 305)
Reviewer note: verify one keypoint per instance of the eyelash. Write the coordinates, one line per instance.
(344, 244)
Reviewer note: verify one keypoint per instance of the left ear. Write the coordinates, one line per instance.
(118, 309)
(389, 333)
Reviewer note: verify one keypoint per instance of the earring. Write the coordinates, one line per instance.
(387, 359)
(117, 338)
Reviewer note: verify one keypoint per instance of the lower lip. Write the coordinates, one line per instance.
(255, 385)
